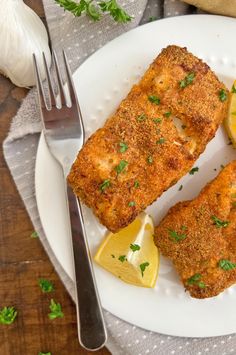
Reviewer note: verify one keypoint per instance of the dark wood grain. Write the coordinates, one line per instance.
(23, 261)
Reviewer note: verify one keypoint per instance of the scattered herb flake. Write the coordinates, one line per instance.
(143, 266)
(226, 265)
(136, 184)
(167, 114)
(131, 204)
(106, 183)
(46, 285)
(219, 223)
(122, 258)
(157, 120)
(34, 235)
(175, 236)
(154, 99)
(196, 280)
(150, 159)
(201, 284)
(121, 166)
(134, 247)
(180, 188)
(123, 147)
(194, 170)
(184, 228)
(160, 141)
(141, 117)
(233, 90)
(55, 309)
(222, 95)
(113, 256)
(187, 80)
(40, 353)
(7, 315)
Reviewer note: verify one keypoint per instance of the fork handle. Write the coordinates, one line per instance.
(91, 326)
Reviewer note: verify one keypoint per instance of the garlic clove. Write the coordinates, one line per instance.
(22, 34)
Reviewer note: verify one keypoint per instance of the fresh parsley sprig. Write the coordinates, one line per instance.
(46, 285)
(55, 309)
(7, 315)
(94, 11)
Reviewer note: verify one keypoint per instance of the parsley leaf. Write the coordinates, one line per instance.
(150, 159)
(34, 235)
(176, 237)
(143, 267)
(233, 90)
(160, 141)
(84, 6)
(44, 353)
(195, 280)
(141, 117)
(226, 265)
(45, 285)
(136, 184)
(193, 170)
(56, 311)
(121, 166)
(187, 80)
(118, 14)
(123, 147)
(7, 315)
(219, 223)
(154, 99)
(122, 258)
(106, 183)
(167, 114)
(222, 95)
(131, 204)
(134, 247)
(157, 120)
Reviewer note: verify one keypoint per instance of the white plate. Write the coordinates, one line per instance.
(101, 82)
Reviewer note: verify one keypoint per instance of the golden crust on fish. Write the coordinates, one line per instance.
(152, 139)
(199, 236)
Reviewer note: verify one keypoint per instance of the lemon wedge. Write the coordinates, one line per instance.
(131, 253)
(230, 121)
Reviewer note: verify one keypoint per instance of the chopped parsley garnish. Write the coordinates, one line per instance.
(136, 184)
(134, 247)
(34, 235)
(123, 147)
(143, 267)
(222, 95)
(183, 228)
(180, 188)
(150, 159)
(219, 223)
(160, 141)
(154, 99)
(44, 353)
(106, 183)
(176, 237)
(187, 80)
(233, 90)
(7, 315)
(121, 166)
(131, 204)
(142, 117)
(55, 309)
(122, 258)
(167, 114)
(46, 285)
(113, 256)
(226, 265)
(194, 170)
(157, 120)
(196, 280)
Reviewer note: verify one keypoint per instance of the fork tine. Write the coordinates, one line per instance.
(59, 80)
(52, 97)
(41, 94)
(72, 91)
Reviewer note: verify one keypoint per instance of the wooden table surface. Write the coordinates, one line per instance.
(23, 261)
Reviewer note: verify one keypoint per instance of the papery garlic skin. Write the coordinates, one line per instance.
(22, 33)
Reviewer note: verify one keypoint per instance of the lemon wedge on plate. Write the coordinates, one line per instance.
(131, 253)
(230, 121)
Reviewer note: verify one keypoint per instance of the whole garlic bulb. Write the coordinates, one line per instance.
(22, 33)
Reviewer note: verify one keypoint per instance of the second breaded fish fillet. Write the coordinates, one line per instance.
(199, 236)
(152, 140)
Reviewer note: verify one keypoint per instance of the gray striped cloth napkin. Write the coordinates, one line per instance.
(80, 37)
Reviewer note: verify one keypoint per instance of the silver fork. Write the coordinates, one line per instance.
(64, 133)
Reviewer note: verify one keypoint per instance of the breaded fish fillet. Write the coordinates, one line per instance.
(199, 236)
(152, 140)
